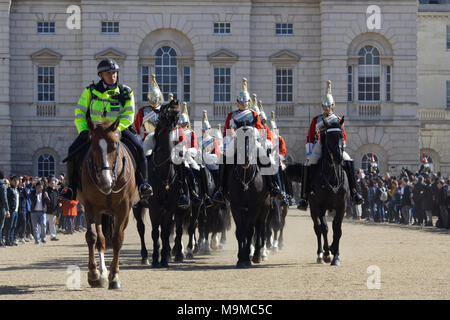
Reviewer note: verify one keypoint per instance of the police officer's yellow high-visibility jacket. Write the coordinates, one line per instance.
(105, 104)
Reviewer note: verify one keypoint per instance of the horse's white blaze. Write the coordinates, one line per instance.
(106, 173)
(102, 263)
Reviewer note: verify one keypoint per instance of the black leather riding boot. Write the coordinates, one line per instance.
(271, 183)
(303, 203)
(287, 186)
(221, 185)
(183, 200)
(350, 171)
(193, 186)
(204, 179)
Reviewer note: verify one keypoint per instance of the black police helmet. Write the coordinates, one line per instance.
(107, 65)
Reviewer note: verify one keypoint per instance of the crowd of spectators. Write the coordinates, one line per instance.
(32, 210)
(410, 199)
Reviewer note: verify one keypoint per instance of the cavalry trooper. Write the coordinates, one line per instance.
(191, 153)
(145, 124)
(210, 156)
(243, 112)
(286, 186)
(106, 100)
(425, 166)
(314, 151)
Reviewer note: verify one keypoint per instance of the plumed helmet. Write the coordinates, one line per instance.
(205, 122)
(107, 65)
(327, 99)
(262, 114)
(217, 133)
(154, 91)
(243, 95)
(254, 104)
(184, 115)
(272, 124)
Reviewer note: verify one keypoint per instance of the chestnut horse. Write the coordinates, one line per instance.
(108, 192)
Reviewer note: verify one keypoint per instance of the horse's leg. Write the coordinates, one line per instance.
(155, 217)
(178, 247)
(120, 224)
(337, 233)
(214, 241)
(240, 237)
(223, 239)
(248, 236)
(101, 247)
(91, 239)
(260, 237)
(318, 232)
(324, 230)
(191, 232)
(166, 226)
(137, 212)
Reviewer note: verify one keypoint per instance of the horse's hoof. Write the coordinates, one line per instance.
(256, 259)
(114, 285)
(145, 262)
(179, 258)
(336, 261)
(243, 264)
(189, 255)
(320, 260)
(164, 264)
(326, 259)
(155, 264)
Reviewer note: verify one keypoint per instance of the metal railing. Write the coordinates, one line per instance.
(47, 110)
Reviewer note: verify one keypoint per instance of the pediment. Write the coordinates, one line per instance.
(223, 55)
(112, 54)
(285, 56)
(46, 56)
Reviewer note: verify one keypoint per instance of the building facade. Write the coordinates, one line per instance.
(201, 50)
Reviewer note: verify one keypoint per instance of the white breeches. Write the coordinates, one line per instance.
(316, 154)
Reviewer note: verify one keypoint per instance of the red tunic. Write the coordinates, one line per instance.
(282, 146)
(194, 142)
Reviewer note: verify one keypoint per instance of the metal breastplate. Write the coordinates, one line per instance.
(150, 120)
(188, 134)
(208, 144)
(242, 118)
(320, 125)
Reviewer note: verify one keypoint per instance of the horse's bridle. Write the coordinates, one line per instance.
(340, 179)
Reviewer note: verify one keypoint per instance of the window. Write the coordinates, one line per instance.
(283, 29)
(448, 37)
(349, 83)
(448, 94)
(187, 84)
(388, 83)
(369, 74)
(222, 85)
(222, 27)
(365, 161)
(44, 27)
(46, 84)
(46, 165)
(284, 85)
(166, 71)
(145, 80)
(110, 26)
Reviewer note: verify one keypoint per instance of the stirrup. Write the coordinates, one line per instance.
(357, 199)
(145, 190)
(183, 202)
(208, 202)
(218, 196)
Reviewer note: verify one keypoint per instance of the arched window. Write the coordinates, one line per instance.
(365, 161)
(166, 71)
(369, 71)
(46, 165)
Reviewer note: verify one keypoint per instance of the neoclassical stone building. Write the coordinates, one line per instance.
(200, 51)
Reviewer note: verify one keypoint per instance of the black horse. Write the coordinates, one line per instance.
(275, 224)
(249, 198)
(166, 183)
(329, 191)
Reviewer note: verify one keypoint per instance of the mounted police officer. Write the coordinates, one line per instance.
(243, 112)
(314, 151)
(145, 124)
(105, 100)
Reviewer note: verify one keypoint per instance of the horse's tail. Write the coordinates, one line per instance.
(294, 172)
(108, 229)
(274, 217)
